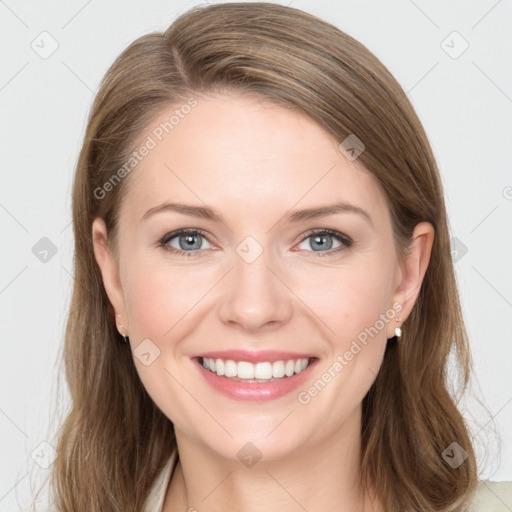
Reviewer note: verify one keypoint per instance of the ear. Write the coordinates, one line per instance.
(109, 268)
(412, 272)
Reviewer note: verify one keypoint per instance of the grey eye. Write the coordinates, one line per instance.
(319, 242)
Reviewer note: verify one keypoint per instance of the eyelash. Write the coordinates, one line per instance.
(344, 239)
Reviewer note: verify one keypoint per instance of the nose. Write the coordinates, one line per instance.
(255, 297)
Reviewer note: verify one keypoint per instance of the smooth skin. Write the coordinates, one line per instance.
(254, 162)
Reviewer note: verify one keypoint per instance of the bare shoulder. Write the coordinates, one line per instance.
(492, 497)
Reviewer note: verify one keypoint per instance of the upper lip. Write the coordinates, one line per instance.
(254, 356)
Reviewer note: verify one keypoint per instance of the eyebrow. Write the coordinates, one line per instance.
(293, 216)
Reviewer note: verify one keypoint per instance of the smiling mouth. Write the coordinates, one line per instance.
(247, 372)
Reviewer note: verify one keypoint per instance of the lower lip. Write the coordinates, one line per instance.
(254, 392)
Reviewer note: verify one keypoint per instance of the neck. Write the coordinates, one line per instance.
(323, 476)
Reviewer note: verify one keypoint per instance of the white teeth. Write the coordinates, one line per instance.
(219, 363)
(230, 369)
(278, 369)
(245, 370)
(289, 368)
(260, 371)
(263, 371)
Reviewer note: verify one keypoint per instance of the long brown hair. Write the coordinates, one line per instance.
(114, 439)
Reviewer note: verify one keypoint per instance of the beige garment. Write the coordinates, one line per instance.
(489, 497)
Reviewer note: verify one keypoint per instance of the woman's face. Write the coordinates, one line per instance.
(255, 280)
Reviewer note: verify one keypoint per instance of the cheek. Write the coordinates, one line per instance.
(356, 311)
(350, 299)
(159, 297)
(160, 307)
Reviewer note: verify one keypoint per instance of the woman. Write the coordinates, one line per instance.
(265, 299)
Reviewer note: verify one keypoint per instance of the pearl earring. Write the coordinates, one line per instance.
(398, 330)
(120, 326)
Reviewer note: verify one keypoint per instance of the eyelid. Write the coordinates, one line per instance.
(345, 240)
(318, 231)
(167, 237)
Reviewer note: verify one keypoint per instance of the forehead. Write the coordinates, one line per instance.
(240, 153)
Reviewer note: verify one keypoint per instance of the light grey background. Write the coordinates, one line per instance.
(464, 101)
